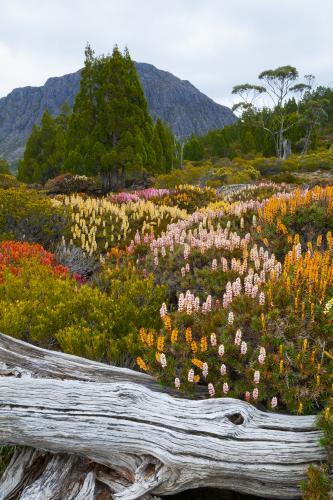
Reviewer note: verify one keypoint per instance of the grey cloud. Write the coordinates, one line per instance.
(213, 43)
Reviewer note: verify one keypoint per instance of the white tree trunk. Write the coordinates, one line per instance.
(124, 435)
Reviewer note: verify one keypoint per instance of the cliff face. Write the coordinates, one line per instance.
(175, 101)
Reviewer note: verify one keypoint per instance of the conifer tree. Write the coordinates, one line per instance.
(45, 150)
(110, 130)
(193, 149)
(164, 147)
(4, 167)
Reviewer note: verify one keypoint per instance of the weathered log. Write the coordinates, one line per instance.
(141, 442)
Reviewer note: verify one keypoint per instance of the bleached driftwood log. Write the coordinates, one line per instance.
(106, 430)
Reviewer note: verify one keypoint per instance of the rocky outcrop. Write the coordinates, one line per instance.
(177, 102)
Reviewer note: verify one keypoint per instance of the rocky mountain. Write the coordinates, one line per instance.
(177, 102)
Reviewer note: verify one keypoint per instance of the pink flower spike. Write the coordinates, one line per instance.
(211, 390)
(274, 402)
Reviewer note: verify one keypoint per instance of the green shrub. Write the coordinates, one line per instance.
(190, 174)
(317, 485)
(28, 215)
(322, 160)
(8, 181)
(287, 177)
(97, 322)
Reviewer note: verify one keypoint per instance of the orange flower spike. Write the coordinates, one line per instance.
(142, 333)
(141, 364)
(194, 346)
(150, 339)
(188, 335)
(174, 336)
(197, 362)
(303, 311)
(203, 344)
(160, 343)
(167, 322)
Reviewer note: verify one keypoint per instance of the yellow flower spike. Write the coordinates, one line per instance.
(312, 356)
(158, 356)
(318, 367)
(312, 306)
(263, 321)
(196, 378)
(281, 366)
(305, 345)
(300, 408)
(328, 354)
(281, 350)
(318, 379)
(326, 413)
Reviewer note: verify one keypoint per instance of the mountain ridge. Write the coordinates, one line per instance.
(177, 102)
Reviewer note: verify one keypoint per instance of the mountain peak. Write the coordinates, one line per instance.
(177, 102)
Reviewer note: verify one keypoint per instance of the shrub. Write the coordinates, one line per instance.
(14, 255)
(69, 183)
(49, 308)
(190, 174)
(8, 181)
(28, 215)
(77, 261)
(318, 485)
(322, 160)
(188, 197)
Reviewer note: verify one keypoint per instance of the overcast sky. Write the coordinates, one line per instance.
(213, 43)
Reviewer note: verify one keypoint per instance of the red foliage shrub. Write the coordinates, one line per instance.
(14, 253)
